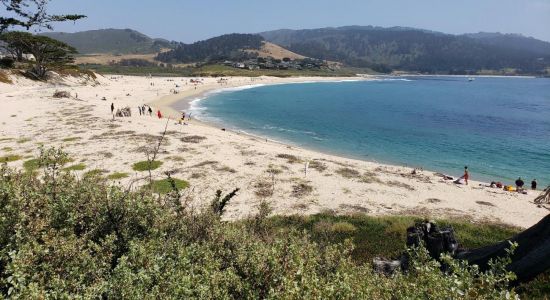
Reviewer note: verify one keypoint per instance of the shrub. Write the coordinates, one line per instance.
(31, 164)
(64, 237)
(195, 139)
(146, 165)
(77, 167)
(165, 185)
(348, 172)
(10, 158)
(291, 159)
(117, 175)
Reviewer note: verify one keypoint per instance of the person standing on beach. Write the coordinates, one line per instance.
(466, 175)
(519, 184)
(112, 108)
(159, 114)
(150, 111)
(139, 108)
(534, 184)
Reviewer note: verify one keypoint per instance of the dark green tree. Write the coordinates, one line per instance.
(47, 53)
(30, 13)
(15, 43)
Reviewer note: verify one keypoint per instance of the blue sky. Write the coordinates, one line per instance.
(192, 20)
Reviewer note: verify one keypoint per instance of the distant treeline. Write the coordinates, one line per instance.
(229, 46)
(384, 49)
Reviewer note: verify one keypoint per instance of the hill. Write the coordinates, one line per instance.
(115, 41)
(228, 46)
(410, 49)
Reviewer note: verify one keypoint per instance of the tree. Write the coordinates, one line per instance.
(29, 13)
(15, 43)
(47, 52)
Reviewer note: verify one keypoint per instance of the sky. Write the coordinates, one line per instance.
(192, 20)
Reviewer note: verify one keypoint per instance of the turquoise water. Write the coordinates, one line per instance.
(498, 127)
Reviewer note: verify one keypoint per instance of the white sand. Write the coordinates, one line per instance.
(227, 160)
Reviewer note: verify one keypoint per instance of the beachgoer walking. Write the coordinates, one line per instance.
(139, 108)
(112, 108)
(519, 184)
(150, 111)
(159, 114)
(466, 175)
(534, 184)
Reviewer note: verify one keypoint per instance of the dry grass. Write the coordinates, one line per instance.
(274, 170)
(4, 78)
(485, 203)
(301, 189)
(195, 139)
(355, 208)
(227, 169)
(348, 172)
(317, 165)
(291, 159)
(370, 177)
(205, 163)
(264, 189)
(399, 184)
(61, 94)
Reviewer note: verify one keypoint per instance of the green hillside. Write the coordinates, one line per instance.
(412, 49)
(117, 41)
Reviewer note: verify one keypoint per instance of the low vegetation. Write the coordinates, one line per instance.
(117, 176)
(348, 172)
(145, 165)
(65, 237)
(291, 159)
(165, 186)
(10, 158)
(77, 167)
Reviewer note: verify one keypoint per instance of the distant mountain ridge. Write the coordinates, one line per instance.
(413, 49)
(115, 41)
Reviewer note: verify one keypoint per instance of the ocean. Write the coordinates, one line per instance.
(498, 127)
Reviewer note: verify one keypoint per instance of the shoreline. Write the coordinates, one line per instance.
(167, 103)
(211, 159)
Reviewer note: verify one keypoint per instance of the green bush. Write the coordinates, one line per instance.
(64, 237)
(117, 175)
(31, 164)
(146, 165)
(164, 186)
(10, 158)
(77, 167)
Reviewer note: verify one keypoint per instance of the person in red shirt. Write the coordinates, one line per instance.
(159, 114)
(466, 175)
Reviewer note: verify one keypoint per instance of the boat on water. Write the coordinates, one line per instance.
(471, 79)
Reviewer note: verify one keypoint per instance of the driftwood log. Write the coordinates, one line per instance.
(531, 257)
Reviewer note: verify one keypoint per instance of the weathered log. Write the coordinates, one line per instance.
(531, 257)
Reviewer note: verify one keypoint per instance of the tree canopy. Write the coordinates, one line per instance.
(29, 13)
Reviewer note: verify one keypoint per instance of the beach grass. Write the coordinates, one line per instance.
(71, 139)
(23, 140)
(10, 158)
(7, 149)
(117, 175)
(146, 165)
(31, 165)
(164, 186)
(77, 167)
(386, 235)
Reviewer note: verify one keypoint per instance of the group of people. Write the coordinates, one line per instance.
(520, 183)
(145, 109)
(497, 184)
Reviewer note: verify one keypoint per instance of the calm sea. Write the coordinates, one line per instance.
(498, 127)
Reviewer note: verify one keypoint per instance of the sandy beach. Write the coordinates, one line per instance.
(210, 158)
